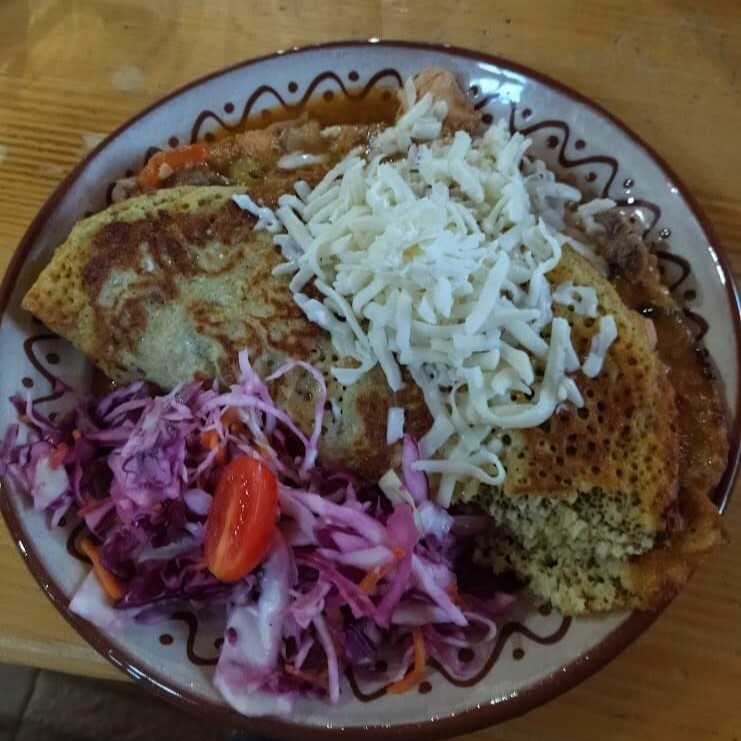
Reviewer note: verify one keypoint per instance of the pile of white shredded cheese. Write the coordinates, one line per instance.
(432, 255)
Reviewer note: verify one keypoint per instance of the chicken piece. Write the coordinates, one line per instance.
(442, 85)
(306, 136)
(199, 175)
(621, 244)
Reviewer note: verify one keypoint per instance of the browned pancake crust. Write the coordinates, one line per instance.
(172, 285)
(653, 434)
(624, 440)
(703, 436)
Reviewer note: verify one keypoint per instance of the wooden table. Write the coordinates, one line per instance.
(71, 71)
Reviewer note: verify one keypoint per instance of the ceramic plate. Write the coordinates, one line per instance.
(539, 653)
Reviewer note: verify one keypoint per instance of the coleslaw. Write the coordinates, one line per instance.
(354, 571)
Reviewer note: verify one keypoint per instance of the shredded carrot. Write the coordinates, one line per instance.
(307, 676)
(76, 434)
(420, 663)
(108, 581)
(370, 581)
(210, 440)
(456, 597)
(230, 417)
(89, 507)
(452, 592)
(172, 160)
(57, 455)
(232, 422)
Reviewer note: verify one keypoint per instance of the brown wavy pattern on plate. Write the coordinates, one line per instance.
(568, 163)
(698, 323)
(29, 348)
(633, 204)
(675, 274)
(190, 619)
(507, 630)
(187, 617)
(483, 102)
(77, 534)
(673, 282)
(563, 159)
(269, 91)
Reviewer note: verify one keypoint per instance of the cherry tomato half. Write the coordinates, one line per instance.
(242, 519)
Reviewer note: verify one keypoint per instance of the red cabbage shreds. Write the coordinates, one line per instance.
(150, 467)
(366, 559)
(10, 454)
(119, 551)
(95, 513)
(363, 638)
(358, 602)
(414, 481)
(181, 578)
(198, 501)
(306, 606)
(38, 468)
(403, 536)
(355, 568)
(350, 515)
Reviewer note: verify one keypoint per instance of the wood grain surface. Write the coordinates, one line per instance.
(72, 70)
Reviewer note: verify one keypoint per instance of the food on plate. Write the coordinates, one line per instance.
(605, 507)
(170, 287)
(179, 493)
(241, 518)
(433, 322)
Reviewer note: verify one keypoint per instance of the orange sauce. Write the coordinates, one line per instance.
(379, 105)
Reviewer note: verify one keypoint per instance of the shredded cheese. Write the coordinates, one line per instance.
(295, 160)
(601, 342)
(265, 216)
(394, 425)
(437, 260)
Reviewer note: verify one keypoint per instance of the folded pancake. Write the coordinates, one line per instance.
(170, 286)
(601, 507)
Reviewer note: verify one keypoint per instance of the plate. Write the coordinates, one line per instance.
(539, 653)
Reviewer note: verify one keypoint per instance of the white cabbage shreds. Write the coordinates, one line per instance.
(394, 425)
(437, 261)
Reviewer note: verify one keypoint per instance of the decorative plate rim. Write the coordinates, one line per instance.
(544, 689)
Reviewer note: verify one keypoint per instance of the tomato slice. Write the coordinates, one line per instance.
(242, 519)
(175, 159)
